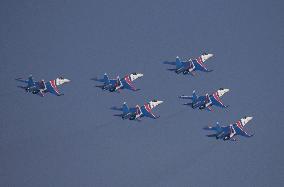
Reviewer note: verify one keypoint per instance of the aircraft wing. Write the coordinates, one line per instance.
(240, 131)
(41, 93)
(218, 101)
(209, 108)
(147, 111)
(129, 83)
(52, 88)
(245, 134)
(151, 115)
(200, 65)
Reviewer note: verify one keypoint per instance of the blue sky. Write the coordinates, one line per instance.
(75, 140)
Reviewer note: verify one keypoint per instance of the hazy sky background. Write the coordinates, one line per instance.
(75, 140)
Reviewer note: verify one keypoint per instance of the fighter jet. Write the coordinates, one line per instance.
(189, 66)
(41, 87)
(205, 102)
(114, 85)
(140, 111)
(228, 132)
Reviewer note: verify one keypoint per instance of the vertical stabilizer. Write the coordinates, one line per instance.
(125, 108)
(31, 81)
(106, 79)
(218, 127)
(194, 97)
(178, 63)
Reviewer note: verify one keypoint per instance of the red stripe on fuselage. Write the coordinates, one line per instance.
(129, 82)
(216, 96)
(53, 84)
(200, 62)
(148, 108)
(239, 124)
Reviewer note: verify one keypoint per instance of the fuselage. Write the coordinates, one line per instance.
(141, 111)
(116, 84)
(196, 64)
(44, 87)
(214, 99)
(228, 132)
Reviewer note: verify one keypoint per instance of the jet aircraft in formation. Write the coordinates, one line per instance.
(114, 85)
(207, 101)
(182, 66)
(189, 66)
(228, 132)
(41, 87)
(140, 111)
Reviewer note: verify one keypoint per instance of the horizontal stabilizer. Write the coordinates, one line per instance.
(21, 80)
(188, 104)
(169, 63)
(211, 135)
(100, 86)
(23, 87)
(172, 69)
(185, 97)
(97, 79)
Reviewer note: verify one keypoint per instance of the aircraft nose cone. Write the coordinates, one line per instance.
(249, 118)
(206, 56)
(210, 55)
(222, 91)
(136, 75)
(226, 90)
(159, 102)
(246, 120)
